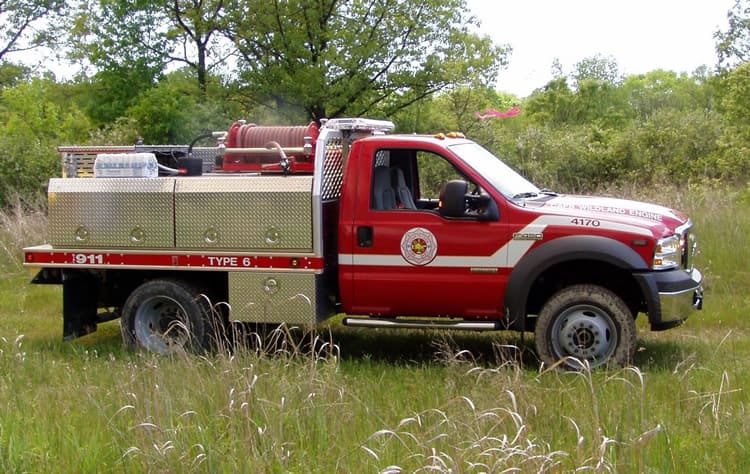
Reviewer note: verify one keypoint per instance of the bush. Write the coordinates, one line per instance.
(32, 123)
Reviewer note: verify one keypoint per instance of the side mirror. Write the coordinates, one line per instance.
(487, 209)
(453, 198)
(455, 201)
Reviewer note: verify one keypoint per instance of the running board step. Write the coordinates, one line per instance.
(107, 316)
(421, 324)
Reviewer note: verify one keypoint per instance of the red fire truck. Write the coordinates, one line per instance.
(295, 224)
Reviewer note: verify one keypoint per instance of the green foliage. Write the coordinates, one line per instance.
(175, 111)
(12, 74)
(451, 111)
(366, 57)
(735, 96)
(670, 146)
(114, 34)
(123, 131)
(732, 155)
(552, 104)
(22, 24)
(327, 58)
(32, 124)
(733, 45)
(673, 146)
(593, 101)
(648, 93)
(161, 113)
(649, 128)
(597, 68)
(569, 158)
(108, 95)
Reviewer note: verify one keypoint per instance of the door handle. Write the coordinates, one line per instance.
(364, 236)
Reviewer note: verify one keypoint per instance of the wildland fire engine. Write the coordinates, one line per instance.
(295, 224)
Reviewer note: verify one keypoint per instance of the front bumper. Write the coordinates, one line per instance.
(678, 293)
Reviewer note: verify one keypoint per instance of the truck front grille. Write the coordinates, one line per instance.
(688, 244)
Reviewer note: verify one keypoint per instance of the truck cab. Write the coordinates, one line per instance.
(437, 226)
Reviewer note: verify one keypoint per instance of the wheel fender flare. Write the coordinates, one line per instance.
(574, 247)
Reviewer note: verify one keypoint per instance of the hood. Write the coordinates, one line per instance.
(621, 210)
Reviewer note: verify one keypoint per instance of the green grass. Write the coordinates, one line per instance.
(370, 401)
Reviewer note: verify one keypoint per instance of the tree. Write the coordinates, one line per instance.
(452, 111)
(551, 105)
(733, 45)
(556, 69)
(108, 94)
(175, 110)
(597, 68)
(35, 117)
(334, 57)
(657, 90)
(595, 97)
(733, 156)
(11, 74)
(161, 113)
(20, 24)
(735, 101)
(113, 34)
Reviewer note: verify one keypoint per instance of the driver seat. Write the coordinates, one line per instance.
(404, 199)
(383, 195)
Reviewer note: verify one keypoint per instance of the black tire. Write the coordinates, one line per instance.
(585, 323)
(166, 317)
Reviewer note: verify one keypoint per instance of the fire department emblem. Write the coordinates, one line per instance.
(418, 246)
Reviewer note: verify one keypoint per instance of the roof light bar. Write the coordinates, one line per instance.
(360, 124)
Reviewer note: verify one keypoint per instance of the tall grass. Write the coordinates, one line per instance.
(353, 400)
(22, 223)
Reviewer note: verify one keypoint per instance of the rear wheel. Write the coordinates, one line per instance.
(166, 317)
(585, 323)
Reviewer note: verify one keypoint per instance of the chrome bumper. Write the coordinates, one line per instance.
(679, 299)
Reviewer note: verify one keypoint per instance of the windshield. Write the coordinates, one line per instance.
(501, 176)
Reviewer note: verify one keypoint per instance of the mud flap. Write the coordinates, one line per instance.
(80, 292)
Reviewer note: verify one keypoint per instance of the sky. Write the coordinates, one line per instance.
(641, 35)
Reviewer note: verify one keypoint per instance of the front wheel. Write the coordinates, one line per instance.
(585, 323)
(165, 317)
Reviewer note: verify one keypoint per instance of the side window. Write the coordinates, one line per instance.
(444, 189)
(412, 179)
(394, 179)
(434, 171)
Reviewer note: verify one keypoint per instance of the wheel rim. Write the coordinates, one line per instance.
(584, 332)
(161, 325)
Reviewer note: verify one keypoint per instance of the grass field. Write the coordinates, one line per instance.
(369, 401)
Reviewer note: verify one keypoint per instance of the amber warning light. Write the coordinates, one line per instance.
(443, 136)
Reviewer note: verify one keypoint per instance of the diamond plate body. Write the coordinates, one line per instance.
(254, 213)
(115, 213)
(277, 297)
(208, 156)
(333, 170)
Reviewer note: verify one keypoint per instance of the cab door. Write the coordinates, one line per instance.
(407, 258)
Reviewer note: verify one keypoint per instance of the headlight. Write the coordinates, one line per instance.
(668, 252)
